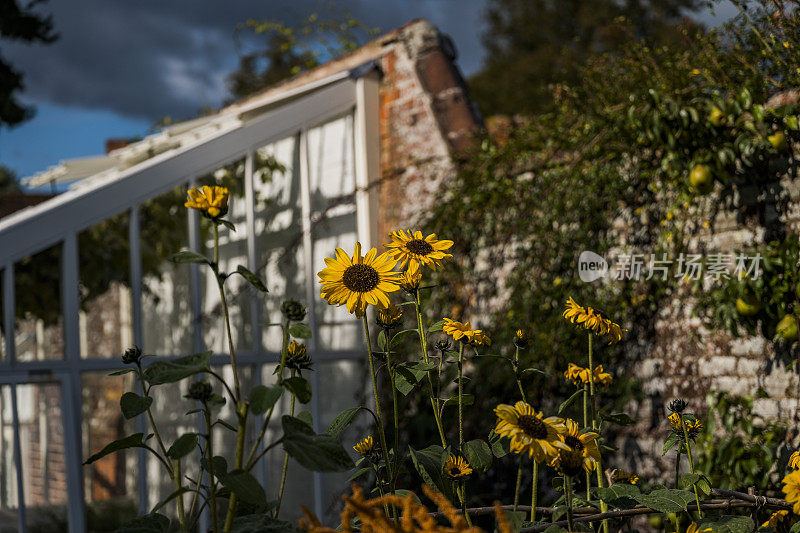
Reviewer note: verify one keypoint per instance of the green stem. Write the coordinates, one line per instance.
(212, 482)
(534, 490)
(285, 462)
(146, 392)
(678, 468)
(395, 467)
(568, 494)
(424, 347)
(519, 482)
(691, 464)
(460, 397)
(596, 428)
(462, 497)
(284, 354)
(381, 433)
(176, 479)
(240, 435)
(516, 374)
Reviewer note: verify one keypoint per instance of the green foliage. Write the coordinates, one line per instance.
(738, 448)
(522, 64)
(288, 50)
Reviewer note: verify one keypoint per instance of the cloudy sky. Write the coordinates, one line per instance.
(120, 66)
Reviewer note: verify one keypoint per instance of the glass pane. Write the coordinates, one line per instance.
(299, 487)
(106, 327)
(232, 253)
(279, 231)
(166, 288)
(169, 411)
(332, 180)
(110, 483)
(345, 384)
(9, 502)
(43, 459)
(39, 328)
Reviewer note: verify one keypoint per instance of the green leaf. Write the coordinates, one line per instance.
(466, 399)
(532, 371)
(183, 446)
(569, 401)
(254, 280)
(228, 224)
(187, 256)
(795, 528)
(399, 336)
(703, 484)
(671, 441)
(122, 372)
(358, 473)
(132, 441)
(666, 500)
(263, 398)
(318, 453)
(300, 331)
(342, 420)
(619, 495)
(219, 463)
(436, 327)
(151, 523)
(478, 455)
(306, 417)
(729, 524)
(132, 404)
(169, 498)
(500, 446)
(407, 376)
(622, 419)
(225, 424)
(300, 387)
(261, 523)
(162, 372)
(245, 486)
(429, 464)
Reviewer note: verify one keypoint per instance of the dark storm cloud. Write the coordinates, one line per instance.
(171, 57)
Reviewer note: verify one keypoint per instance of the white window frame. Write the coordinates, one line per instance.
(60, 220)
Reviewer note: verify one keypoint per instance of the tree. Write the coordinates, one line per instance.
(291, 49)
(532, 44)
(19, 23)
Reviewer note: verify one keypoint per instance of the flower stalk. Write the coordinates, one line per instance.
(691, 463)
(424, 347)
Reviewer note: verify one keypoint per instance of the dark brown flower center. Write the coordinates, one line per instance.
(360, 278)
(571, 462)
(455, 471)
(419, 247)
(533, 426)
(574, 443)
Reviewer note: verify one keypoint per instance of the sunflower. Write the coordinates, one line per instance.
(463, 331)
(584, 444)
(775, 518)
(389, 317)
(578, 374)
(457, 467)
(296, 357)
(574, 373)
(694, 528)
(416, 250)
(593, 320)
(359, 281)
(693, 425)
(364, 446)
(794, 460)
(791, 488)
(410, 278)
(621, 476)
(521, 339)
(212, 201)
(529, 431)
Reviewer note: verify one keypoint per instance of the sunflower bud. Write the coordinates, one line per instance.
(389, 317)
(199, 390)
(293, 310)
(677, 406)
(297, 357)
(521, 339)
(132, 355)
(443, 345)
